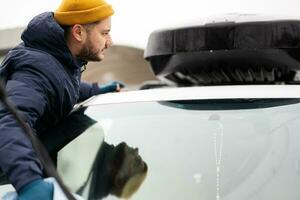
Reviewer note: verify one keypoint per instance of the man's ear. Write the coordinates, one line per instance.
(129, 186)
(118, 184)
(119, 180)
(78, 32)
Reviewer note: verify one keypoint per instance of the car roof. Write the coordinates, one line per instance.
(197, 93)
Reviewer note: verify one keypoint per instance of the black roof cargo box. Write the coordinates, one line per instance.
(257, 52)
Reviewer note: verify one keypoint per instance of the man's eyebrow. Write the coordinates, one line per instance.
(106, 30)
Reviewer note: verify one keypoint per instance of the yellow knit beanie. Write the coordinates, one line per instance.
(72, 12)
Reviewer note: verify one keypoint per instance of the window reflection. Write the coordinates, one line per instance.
(90, 166)
(117, 170)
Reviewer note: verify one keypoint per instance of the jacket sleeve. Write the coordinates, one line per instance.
(87, 90)
(17, 157)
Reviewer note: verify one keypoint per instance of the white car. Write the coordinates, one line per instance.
(233, 135)
(212, 142)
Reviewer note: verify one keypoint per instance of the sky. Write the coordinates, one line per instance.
(134, 20)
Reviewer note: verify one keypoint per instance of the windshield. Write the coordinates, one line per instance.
(231, 150)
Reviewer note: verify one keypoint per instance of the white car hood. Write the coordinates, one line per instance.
(197, 93)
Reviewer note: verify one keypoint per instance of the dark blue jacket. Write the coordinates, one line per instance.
(42, 79)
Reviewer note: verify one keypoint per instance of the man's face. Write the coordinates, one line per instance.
(131, 173)
(132, 163)
(97, 40)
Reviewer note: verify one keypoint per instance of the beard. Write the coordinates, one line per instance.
(89, 53)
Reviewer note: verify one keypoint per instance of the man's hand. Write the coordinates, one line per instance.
(36, 190)
(114, 86)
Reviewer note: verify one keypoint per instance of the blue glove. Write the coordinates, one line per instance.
(114, 86)
(36, 190)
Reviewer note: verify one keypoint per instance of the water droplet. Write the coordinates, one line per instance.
(198, 178)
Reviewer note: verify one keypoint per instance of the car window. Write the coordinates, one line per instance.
(249, 152)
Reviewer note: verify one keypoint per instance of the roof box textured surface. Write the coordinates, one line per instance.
(259, 52)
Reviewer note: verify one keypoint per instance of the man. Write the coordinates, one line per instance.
(42, 79)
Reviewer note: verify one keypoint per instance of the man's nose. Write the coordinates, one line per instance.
(108, 42)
